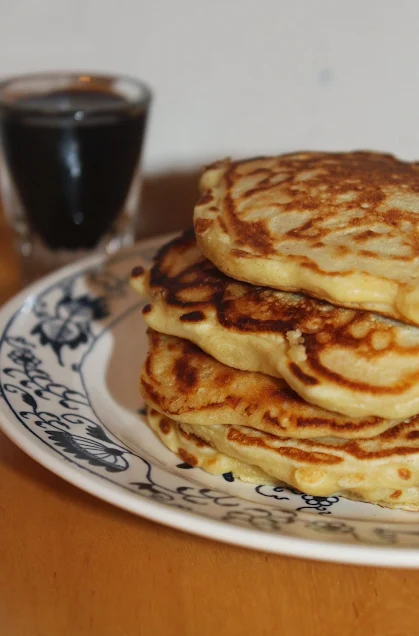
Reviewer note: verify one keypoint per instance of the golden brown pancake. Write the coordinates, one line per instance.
(384, 470)
(352, 362)
(186, 384)
(194, 451)
(339, 226)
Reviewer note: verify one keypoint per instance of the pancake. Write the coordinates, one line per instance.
(384, 471)
(194, 451)
(352, 362)
(186, 384)
(338, 226)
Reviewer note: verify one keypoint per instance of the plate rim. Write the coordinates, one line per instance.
(196, 524)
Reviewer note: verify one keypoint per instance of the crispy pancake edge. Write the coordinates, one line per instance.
(246, 250)
(289, 347)
(186, 384)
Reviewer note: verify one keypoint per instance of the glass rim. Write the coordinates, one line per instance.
(143, 98)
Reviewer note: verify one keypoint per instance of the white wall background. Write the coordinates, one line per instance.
(237, 77)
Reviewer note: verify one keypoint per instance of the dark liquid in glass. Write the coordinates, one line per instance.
(73, 175)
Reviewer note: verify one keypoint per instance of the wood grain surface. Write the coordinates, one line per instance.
(73, 565)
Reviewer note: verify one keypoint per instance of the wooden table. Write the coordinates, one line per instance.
(71, 565)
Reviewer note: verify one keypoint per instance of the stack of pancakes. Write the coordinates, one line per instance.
(284, 332)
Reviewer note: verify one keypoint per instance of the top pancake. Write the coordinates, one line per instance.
(342, 227)
(353, 362)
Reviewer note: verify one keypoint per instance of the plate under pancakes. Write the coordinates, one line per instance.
(354, 362)
(384, 472)
(342, 227)
(186, 384)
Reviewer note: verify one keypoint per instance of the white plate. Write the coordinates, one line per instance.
(71, 347)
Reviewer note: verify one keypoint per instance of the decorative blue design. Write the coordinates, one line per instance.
(264, 519)
(96, 431)
(41, 383)
(321, 504)
(273, 492)
(24, 358)
(335, 528)
(31, 381)
(389, 536)
(97, 454)
(185, 494)
(68, 324)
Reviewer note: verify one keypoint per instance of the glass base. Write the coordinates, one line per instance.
(38, 259)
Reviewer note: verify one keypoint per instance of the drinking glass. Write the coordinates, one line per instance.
(70, 164)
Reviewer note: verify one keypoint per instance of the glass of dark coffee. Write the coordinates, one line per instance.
(70, 164)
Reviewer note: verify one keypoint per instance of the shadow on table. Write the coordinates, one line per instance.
(168, 199)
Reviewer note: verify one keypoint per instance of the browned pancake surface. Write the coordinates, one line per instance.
(185, 383)
(338, 226)
(361, 187)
